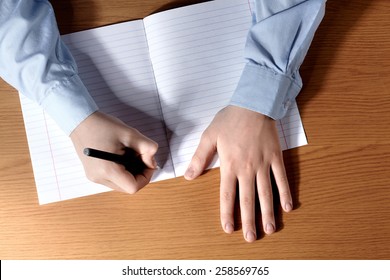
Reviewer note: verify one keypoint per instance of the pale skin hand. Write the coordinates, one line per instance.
(104, 132)
(248, 147)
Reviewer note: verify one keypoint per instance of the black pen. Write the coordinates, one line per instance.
(130, 160)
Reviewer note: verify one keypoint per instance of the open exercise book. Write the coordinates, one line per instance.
(166, 75)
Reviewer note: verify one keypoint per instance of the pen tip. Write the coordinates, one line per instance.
(86, 151)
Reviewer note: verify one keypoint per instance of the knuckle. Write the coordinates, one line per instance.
(227, 196)
(248, 224)
(265, 193)
(285, 193)
(226, 215)
(248, 167)
(228, 164)
(246, 202)
(277, 153)
(150, 149)
(283, 180)
(267, 213)
(130, 136)
(245, 170)
(131, 132)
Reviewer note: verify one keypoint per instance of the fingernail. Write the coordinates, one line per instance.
(250, 236)
(288, 207)
(229, 228)
(269, 228)
(189, 173)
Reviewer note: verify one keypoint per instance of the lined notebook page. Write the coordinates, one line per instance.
(197, 56)
(114, 64)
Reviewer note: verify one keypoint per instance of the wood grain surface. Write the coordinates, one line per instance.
(340, 181)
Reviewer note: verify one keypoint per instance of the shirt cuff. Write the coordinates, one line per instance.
(265, 91)
(69, 103)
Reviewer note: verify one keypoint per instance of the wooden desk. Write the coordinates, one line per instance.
(340, 181)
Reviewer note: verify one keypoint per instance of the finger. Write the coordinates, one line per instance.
(227, 199)
(202, 157)
(144, 178)
(147, 153)
(126, 181)
(247, 205)
(111, 185)
(142, 145)
(282, 183)
(264, 190)
(101, 174)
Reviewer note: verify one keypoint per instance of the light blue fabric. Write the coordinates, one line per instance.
(34, 60)
(276, 45)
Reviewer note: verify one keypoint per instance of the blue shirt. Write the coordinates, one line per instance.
(35, 61)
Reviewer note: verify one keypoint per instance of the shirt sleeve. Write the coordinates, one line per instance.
(276, 46)
(35, 61)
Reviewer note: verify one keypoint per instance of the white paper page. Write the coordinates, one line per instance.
(197, 56)
(114, 64)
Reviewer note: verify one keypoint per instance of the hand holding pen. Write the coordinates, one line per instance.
(130, 160)
(132, 164)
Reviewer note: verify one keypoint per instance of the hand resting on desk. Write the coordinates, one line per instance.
(248, 147)
(104, 132)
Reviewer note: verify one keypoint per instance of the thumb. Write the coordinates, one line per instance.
(202, 157)
(147, 151)
(146, 148)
